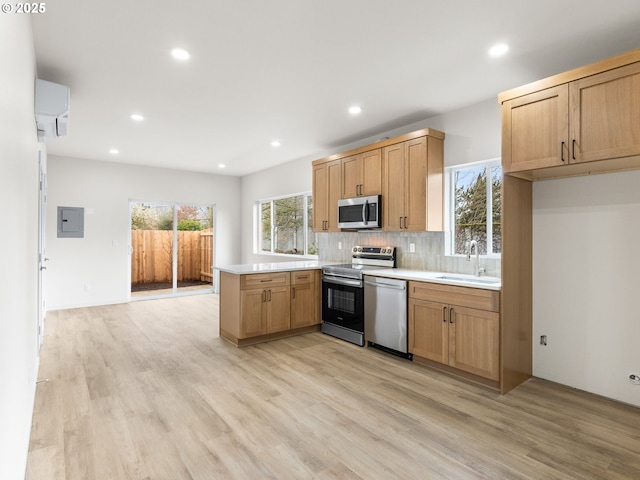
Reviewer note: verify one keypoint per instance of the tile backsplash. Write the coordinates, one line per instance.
(429, 254)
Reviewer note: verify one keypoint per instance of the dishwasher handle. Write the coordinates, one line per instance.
(385, 285)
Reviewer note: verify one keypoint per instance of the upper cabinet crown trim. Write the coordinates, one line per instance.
(425, 132)
(575, 74)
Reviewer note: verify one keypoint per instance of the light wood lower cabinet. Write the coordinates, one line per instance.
(264, 306)
(265, 309)
(456, 326)
(305, 298)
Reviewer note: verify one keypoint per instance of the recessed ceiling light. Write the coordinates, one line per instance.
(180, 54)
(137, 117)
(114, 151)
(221, 165)
(275, 143)
(355, 110)
(498, 50)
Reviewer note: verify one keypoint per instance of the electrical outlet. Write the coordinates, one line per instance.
(634, 378)
(87, 287)
(412, 248)
(543, 340)
(339, 245)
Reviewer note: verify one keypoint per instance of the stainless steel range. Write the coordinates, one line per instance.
(343, 292)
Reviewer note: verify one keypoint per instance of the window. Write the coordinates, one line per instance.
(475, 192)
(284, 226)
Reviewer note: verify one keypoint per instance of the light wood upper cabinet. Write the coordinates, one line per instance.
(413, 185)
(362, 174)
(605, 115)
(327, 190)
(591, 114)
(393, 172)
(535, 130)
(461, 331)
(407, 170)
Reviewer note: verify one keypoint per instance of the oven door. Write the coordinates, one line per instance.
(343, 302)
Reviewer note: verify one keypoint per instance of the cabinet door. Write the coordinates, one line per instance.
(535, 130)
(473, 341)
(278, 311)
(371, 173)
(320, 196)
(327, 190)
(351, 176)
(393, 187)
(252, 321)
(334, 188)
(605, 115)
(303, 305)
(416, 185)
(429, 330)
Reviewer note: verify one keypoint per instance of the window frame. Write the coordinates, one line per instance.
(450, 210)
(257, 244)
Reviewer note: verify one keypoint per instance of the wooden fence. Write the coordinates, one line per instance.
(151, 259)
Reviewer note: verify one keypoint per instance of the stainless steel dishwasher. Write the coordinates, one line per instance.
(385, 314)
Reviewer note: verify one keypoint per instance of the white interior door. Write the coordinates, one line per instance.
(42, 247)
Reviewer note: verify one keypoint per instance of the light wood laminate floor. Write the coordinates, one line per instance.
(147, 390)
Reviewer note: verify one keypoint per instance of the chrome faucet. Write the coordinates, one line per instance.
(479, 269)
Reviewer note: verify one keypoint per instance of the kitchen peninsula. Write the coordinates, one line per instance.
(267, 301)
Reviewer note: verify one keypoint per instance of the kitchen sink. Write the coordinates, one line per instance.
(457, 278)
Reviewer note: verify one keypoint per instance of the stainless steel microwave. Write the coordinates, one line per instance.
(360, 212)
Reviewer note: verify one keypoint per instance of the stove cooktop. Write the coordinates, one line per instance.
(364, 258)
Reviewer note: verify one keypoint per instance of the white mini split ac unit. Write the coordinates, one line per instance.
(51, 109)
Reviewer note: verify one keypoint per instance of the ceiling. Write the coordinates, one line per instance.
(288, 70)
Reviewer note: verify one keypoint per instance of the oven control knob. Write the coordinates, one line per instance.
(355, 249)
(360, 249)
(384, 250)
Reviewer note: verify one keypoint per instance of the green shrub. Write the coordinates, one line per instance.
(190, 225)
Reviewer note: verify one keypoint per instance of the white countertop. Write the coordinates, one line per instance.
(458, 279)
(271, 267)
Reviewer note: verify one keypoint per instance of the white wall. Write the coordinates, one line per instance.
(586, 273)
(94, 270)
(472, 134)
(18, 243)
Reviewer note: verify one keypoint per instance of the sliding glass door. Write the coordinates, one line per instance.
(172, 248)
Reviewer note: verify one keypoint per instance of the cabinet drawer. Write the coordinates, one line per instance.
(259, 280)
(464, 296)
(303, 277)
